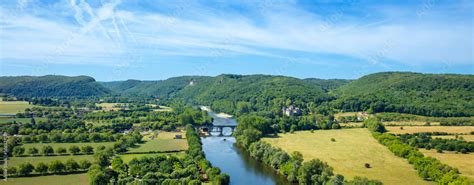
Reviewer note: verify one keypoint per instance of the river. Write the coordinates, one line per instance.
(231, 159)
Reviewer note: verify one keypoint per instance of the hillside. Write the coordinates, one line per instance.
(223, 92)
(159, 89)
(327, 85)
(415, 93)
(51, 86)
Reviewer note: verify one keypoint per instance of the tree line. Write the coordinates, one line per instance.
(425, 140)
(428, 168)
(48, 150)
(53, 167)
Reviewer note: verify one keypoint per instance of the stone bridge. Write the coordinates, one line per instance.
(216, 128)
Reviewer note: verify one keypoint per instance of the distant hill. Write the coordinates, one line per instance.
(404, 92)
(51, 86)
(223, 92)
(159, 89)
(416, 93)
(327, 85)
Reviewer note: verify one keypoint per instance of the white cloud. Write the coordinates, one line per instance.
(110, 32)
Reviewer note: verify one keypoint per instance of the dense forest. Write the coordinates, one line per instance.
(440, 95)
(414, 93)
(51, 86)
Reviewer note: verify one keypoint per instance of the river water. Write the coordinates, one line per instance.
(231, 159)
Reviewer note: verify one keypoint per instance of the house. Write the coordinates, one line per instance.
(361, 116)
(291, 110)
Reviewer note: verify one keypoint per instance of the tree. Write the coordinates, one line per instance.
(32, 151)
(56, 167)
(61, 150)
(41, 168)
(85, 164)
(74, 150)
(12, 170)
(25, 169)
(71, 165)
(101, 158)
(97, 176)
(338, 180)
(221, 179)
(117, 165)
(375, 125)
(314, 172)
(18, 151)
(87, 149)
(47, 150)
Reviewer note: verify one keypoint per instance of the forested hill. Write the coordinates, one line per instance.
(160, 88)
(415, 93)
(224, 92)
(327, 85)
(51, 86)
(422, 94)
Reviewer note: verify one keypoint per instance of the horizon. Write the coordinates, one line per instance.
(119, 40)
(231, 74)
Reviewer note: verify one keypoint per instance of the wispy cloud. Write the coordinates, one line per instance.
(80, 32)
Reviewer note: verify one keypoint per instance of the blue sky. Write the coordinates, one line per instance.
(151, 39)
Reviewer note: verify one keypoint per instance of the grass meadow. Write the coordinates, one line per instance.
(128, 157)
(71, 179)
(20, 120)
(13, 107)
(464, 162)
(15, 161)
(409, 123)
(348, 154)
(465, 137)
(163, 142)
(417, 129)
(66, 145)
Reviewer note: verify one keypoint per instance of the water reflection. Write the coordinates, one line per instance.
(223, 153)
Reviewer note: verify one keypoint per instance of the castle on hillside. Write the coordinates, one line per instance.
(291, 110)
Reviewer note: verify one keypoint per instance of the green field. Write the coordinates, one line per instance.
(163, 142)
(15, 161)
(348, 154)
(110, 106)
(13, 107)
(128, 157)
(463, 162)
(73, 179)
(66, 145)
(20, 120)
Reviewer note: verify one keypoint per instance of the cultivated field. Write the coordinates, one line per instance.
(348, 154)
(163, 109)
(465, 137)
(110, 106)
(66, 145)
(15, 161)
(417, 129)
(464, 162)
(163, 142)
(352, 124)
(73, 179)
(343, 114)
(13, 107)
(408, 123)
